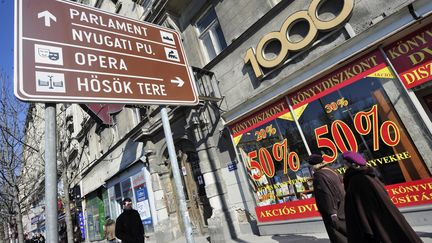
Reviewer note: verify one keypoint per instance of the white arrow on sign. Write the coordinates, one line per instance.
(48, 17)
(177, 81)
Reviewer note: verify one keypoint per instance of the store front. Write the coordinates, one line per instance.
(131, 183)
(95, 214)
(378, 103)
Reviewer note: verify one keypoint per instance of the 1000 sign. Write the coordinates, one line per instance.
(311, 16)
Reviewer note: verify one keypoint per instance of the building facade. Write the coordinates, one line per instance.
(327, 77)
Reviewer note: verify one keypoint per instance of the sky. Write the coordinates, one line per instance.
(7, 37)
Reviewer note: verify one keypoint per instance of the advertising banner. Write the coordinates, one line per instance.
(402, 195)
(141, 197)
(412, 57)
(346, 110)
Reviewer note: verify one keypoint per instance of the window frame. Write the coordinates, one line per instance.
(211, 30)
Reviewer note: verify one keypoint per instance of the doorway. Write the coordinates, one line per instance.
(197, 202)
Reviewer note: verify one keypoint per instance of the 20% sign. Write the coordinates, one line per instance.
(365, 122)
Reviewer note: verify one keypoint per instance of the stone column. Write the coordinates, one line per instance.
(223, 223)
(158, 172)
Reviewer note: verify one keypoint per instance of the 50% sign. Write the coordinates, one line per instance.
(365, 122)
(265, 163)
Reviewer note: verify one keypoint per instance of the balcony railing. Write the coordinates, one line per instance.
(207, 85)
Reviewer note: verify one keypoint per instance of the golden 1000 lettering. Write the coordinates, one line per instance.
(258, 59)
(261, 161)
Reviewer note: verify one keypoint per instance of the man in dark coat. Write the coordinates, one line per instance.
(129, 228)
(370, 214)
(329, 196)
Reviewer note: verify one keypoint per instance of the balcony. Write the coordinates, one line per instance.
(207, 85)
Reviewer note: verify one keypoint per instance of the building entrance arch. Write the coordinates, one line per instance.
(193, 186)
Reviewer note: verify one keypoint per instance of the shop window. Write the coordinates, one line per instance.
(95, 212)
(142, 201)
(348, 110)
(136, 189)
(210, 34)
(277, 183)
(368, 97)
(127, 190)
(114, 206)
(424, 95)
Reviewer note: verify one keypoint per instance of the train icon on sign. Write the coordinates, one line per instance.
(172, 54)
(48, 54)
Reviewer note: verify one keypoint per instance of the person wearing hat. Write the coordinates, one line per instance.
(370, 214)
(129, 227)
(329, 196)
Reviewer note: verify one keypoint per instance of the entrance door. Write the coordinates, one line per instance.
(196, 199)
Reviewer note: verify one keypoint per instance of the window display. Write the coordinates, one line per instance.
(347, 110)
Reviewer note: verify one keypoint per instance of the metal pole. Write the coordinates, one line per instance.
(51, 174)
(176, 173)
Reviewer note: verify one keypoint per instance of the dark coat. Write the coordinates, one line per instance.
(370, 214)
(329, 195)
(129, 227)
(77, 235)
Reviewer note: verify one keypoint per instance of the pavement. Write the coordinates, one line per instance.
(425, 233)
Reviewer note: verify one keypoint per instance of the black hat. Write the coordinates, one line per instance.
(127, 200)
(315, 159)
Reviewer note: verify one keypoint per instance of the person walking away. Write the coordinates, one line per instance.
(27, 238)
(34, 239)
(41, 238)
(110, 231)
(77, 235)
(129, 228)
(329, 196)
(370, 214)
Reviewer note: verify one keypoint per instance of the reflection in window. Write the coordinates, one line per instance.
(127, 190)
(396, 159)
(286, 184)
(357, 117)
(210, 34)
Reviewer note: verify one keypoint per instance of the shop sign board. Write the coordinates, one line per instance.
(67, 52)
(412, 57)
(402, 195)
(35, 219)
(258, 60)
(232, 166)
(81, 224)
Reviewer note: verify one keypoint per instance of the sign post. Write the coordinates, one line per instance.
(51, 218)
(177, 177)
(67, 52)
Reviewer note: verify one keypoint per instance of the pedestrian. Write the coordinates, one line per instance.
(329, 196)
(27, 238)
(370, 214)
(110, 231)
(41, 238)
(62, 234)
(34, 238)
(129, 228)
(77, 235)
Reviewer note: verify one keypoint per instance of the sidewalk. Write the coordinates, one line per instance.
(425, 233)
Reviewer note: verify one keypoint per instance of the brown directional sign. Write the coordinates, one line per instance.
(67, 52)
